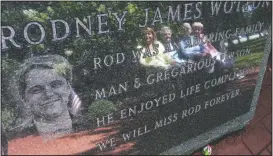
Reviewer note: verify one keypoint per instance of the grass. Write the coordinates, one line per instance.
(254, 59)
(251, 60)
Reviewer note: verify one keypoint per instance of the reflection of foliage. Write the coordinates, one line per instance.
(68, 52)
(7, 118)
(7, 99)
(33, 15)
(62, 69)
(8, 65)
(81, 51)
(100, 108)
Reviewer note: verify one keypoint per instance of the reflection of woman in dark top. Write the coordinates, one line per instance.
(47, 97)
(171, 48)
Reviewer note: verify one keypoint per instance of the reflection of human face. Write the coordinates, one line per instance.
(187, 30)
(197, 30)
(167, 35)
(149, 37)
(46, 93)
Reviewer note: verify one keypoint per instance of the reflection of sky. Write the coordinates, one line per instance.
(251, 37)
(249, 8)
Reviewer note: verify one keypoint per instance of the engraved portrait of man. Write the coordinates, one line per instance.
(45, 90)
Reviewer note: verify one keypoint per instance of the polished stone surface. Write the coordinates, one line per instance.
(130, 78)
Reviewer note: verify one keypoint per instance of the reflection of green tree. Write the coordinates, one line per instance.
(8, 103)
(81, 51)
(101, 108)
(8, 118)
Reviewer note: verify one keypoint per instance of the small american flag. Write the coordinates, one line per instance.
(75, 103)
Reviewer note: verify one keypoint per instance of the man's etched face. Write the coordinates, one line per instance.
(46, 93)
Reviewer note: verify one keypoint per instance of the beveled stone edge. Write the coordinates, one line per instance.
(202, 140)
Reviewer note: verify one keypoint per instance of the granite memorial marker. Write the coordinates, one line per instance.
(129, 77)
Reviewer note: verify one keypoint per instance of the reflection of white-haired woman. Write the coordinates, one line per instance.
(201, 38)
(171, 48)
(197, 28)
(208, 48)
(187, 28)
(47, 97)
(189, 47)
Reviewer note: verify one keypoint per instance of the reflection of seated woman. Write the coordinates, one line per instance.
(190, 46)
(208, 48)
(153, 52)
(47, 97)
(171, 48)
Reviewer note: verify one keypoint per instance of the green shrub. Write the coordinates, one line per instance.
(7, 118)
(100, 108)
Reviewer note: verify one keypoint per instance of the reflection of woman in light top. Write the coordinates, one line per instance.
(190, 48)
(153, 52)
